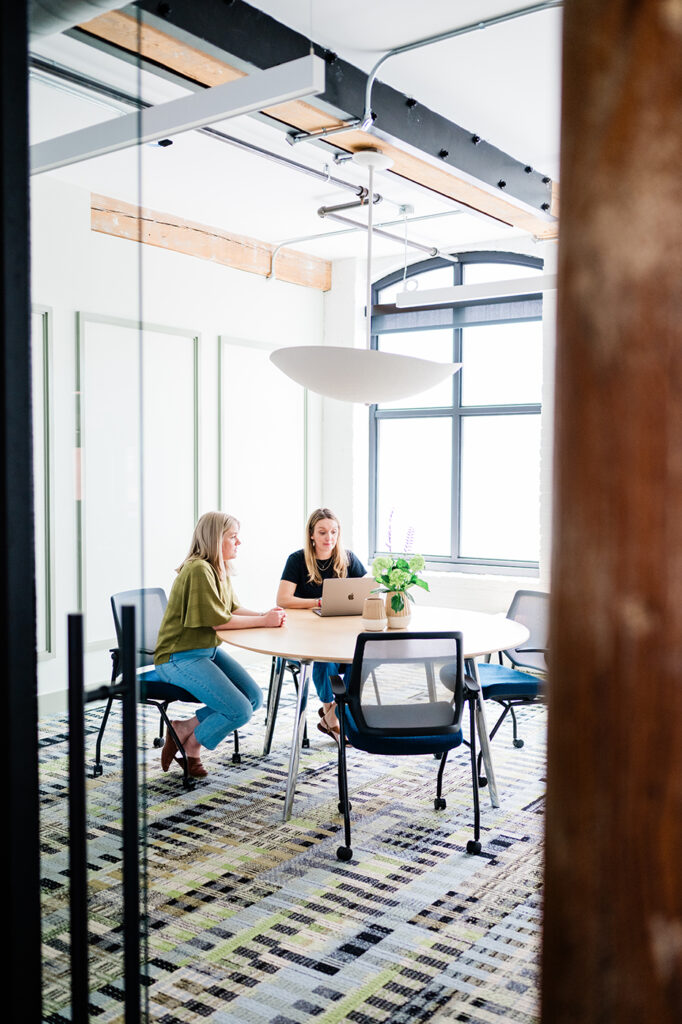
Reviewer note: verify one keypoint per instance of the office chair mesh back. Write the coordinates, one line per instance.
(531, 608)
(407, 685)
(150, 605)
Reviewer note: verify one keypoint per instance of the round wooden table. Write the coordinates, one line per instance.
(307, 637)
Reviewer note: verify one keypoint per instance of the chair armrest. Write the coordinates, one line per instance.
(471, 684)
(533, 650)
(338, 689)
(115, 653)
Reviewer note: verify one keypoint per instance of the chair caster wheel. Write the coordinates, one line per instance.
(306, 743)
(344, 853)
(236, 759)
(482, 781)
(439, 804)
(341, 806)
(97, 771)
(473, 847)
(158, 742)
(518, 743)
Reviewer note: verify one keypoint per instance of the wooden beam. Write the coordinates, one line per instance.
(124, 220)
(613, 903)
(122, 30)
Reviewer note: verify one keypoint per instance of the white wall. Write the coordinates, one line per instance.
(78, 271)
(345, 435)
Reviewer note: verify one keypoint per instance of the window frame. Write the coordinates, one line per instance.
(386, 319)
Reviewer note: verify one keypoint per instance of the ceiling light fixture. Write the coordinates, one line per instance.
(361, 374)
(294, 80)
(477, 292)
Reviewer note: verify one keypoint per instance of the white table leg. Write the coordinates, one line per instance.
(297, 737)
(482, 730)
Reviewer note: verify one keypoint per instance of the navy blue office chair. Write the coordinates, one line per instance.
(150, 605)
(522, 682)
(414, 706)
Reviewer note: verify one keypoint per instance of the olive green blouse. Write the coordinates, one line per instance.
(198, 600)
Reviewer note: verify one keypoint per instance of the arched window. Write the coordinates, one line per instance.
(455, 471)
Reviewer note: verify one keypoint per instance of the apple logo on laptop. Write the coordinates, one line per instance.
(351, 596)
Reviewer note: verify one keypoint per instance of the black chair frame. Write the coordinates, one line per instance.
(171, 695)
(466, 692)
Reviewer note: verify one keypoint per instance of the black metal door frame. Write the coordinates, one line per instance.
(17, 622)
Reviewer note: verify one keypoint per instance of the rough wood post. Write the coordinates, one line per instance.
(613, 913)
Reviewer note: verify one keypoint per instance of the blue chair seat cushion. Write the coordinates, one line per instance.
(152, 687)
(401, 746)
(500, 681)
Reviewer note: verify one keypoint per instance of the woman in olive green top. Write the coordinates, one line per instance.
(187, 654)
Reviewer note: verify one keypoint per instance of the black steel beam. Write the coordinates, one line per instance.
(247, 38)
(22, 996)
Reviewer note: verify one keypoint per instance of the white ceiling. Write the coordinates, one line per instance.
(501, 83)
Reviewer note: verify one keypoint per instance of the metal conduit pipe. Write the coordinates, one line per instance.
(452, 34)
(350, 231)
(431, 250)
(326, 210)
(367, 120)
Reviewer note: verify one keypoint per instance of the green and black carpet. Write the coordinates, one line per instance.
(253, 920)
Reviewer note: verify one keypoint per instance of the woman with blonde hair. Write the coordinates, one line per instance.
(187, 649)
(322, 557)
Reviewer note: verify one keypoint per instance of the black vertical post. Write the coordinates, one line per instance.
(78, 869)
(131, 828)
(18, 695)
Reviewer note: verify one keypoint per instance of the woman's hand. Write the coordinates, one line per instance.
(275, 617)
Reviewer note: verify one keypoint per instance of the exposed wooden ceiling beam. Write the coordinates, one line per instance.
(124, 220)
(191, 62)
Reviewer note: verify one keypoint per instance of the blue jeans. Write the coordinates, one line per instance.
(230, 694)
(322, 670)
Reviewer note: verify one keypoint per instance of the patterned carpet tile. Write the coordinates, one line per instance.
(251, 920)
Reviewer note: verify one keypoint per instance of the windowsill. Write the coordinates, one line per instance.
(487, 571)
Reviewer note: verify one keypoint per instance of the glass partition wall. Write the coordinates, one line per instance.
(154, 401)
(102, 444)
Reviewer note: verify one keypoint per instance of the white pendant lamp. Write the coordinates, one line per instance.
(361, 374)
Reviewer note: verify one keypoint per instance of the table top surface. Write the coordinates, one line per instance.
(310, 637)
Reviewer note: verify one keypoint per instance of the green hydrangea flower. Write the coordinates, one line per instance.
(417, 563)
(380, 565)
(398, 578)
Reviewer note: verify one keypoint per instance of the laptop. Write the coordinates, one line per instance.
(345, 596)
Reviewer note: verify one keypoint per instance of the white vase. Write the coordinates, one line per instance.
(373, 614)
(401, 619)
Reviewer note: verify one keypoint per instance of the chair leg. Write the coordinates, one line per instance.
(158, 740)
(482, 781)
(276, 679)
(273, 670)
(343, 852)
(236, 756)
(474, 846)
(305, 742)
(97, 767)
(517, 742)
(439, 803)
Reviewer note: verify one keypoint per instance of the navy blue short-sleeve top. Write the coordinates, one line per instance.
(296, 572)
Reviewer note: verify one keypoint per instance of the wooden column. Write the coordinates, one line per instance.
(613, 913)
